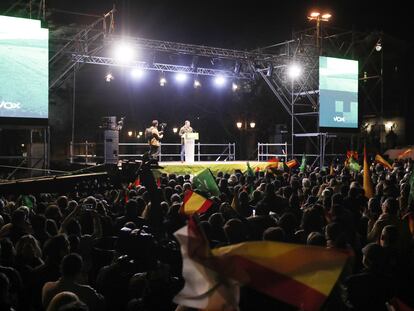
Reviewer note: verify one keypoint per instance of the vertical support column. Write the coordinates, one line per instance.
(292, 121)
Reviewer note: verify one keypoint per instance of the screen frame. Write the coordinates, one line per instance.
(336, 129)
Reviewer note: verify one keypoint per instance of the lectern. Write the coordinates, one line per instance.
(189, 139)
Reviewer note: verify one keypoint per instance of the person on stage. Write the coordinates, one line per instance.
(186, 128)
(154, 138)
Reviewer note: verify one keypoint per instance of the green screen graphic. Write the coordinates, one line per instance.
(24, 68)
(338, 92)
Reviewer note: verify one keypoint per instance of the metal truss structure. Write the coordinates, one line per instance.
(299, 97)
(108, 61)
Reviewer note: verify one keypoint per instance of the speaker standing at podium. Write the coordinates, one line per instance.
(184, 130)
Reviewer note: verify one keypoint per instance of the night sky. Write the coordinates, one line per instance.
(241, 25)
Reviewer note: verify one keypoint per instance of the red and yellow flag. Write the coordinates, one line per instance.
(292, 163)
(404, 154)
(195, 203)
(300, 275)
(367, 183)
(383, 162)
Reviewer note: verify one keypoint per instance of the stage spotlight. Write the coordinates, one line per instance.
(239, 125)
(124, 53)
(234, 87)
(163, 81)
(378, 46)
(294, 71)
(175, 130)
(181, 77)
(109, 77)
(197, 84)
(252, 125)
(219, 81)
(137, 73)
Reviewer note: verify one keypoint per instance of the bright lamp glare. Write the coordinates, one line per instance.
(294, 71)
(163, 81)
(137, 73)
(234, 87)
(109, 77)
(252, 125)
(219, 81)
(175, 130)
(181, 77)
(197, 84)
(239, 125)
(124, 53)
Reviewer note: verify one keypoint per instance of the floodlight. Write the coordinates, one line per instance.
(129, 133)
(252, 125)
(109, 77)
(163, 81)
(234, 87)
(326, 16)
(378, 46)
(219, 81)
(175, 130)
(294, 71)
(239, 125)
(124, 53)
(137, 73)
(197, 84)
(181, 77)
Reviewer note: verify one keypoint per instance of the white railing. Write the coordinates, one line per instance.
(89, 153)
(172, 151)
(266, 151)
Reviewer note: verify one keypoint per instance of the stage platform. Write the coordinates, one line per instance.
(215, 167)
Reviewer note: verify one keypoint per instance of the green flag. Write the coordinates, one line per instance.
(27, 201)
(249, 170)
(353, 165)
(204, 182)
(302, 166)
(411, 195)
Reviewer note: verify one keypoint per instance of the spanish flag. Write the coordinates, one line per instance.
(383, 162)
(292, 163)
(195, 203)
(369, 192)
(300, 275)
(404, 154)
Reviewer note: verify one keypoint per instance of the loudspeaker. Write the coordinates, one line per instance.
(111, 146)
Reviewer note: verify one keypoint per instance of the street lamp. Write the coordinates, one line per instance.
(318, 17)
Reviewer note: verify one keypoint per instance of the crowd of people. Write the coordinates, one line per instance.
(113, 248)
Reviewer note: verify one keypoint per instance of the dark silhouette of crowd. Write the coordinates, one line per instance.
(112, 248)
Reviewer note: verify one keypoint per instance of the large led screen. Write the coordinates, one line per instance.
(338, 92)
(24, 68)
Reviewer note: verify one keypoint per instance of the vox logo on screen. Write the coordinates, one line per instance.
(9, 105)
